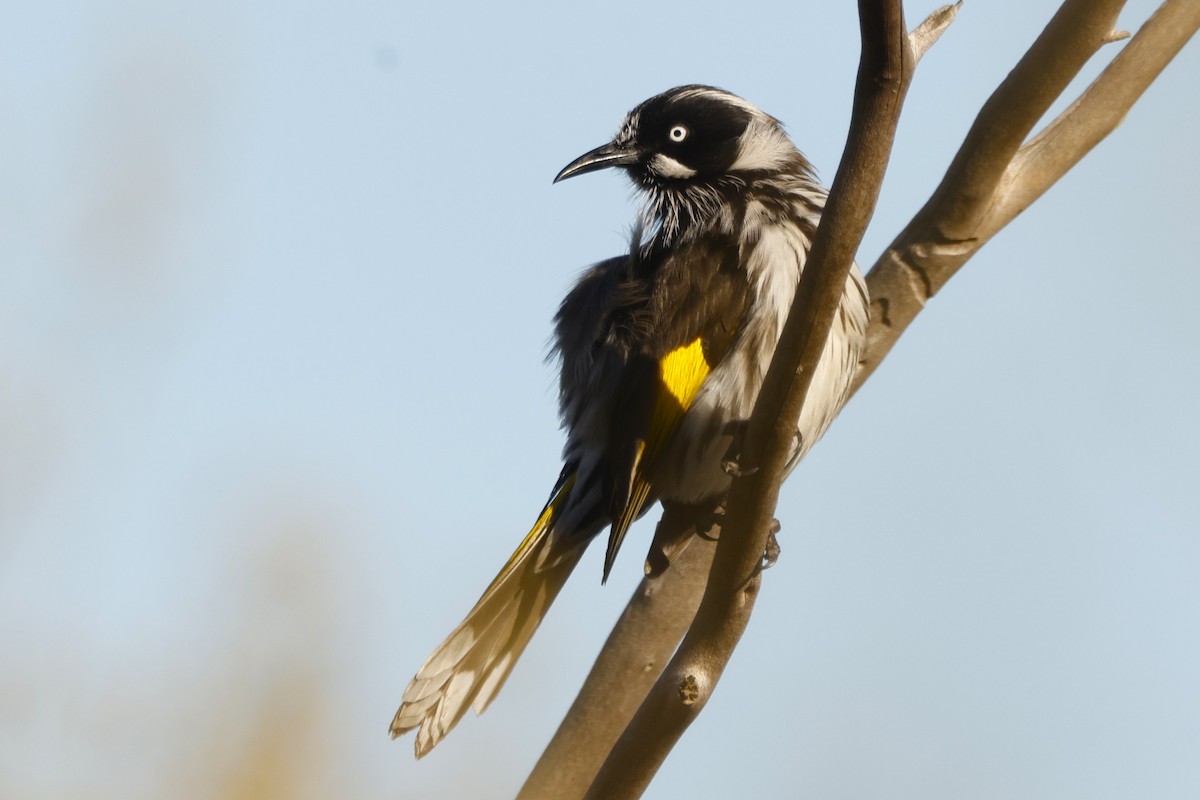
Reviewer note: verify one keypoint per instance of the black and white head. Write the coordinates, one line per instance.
(691, 147)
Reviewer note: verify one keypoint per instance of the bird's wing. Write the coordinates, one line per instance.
(699, 299)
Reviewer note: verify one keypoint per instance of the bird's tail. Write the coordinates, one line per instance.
(468, 669)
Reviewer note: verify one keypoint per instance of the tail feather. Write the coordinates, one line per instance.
(469, 668)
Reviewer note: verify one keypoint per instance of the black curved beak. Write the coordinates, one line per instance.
(606, 155)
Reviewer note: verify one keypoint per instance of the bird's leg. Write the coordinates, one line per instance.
(732, 464)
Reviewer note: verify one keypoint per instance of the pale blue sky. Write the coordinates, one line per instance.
(276, 282)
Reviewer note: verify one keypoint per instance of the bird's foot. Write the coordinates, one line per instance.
(734, 464)
(733, 468)
(772, 550)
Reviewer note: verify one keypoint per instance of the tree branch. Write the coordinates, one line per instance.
(899, 287)
(683, 689)
(642, 641)
(995, 175)
(1086, 122)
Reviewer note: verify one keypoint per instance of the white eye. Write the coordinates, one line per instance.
(678, 133)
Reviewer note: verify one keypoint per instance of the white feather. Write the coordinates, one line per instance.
(668, 167)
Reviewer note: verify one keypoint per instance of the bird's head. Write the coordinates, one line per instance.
(694, 136)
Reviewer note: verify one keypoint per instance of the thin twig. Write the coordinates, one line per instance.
(925, 35)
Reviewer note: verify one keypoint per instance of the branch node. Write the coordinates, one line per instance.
(1116, 36)
(689, 690)
(880, 306)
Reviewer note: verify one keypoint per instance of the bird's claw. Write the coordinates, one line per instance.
(772, 550)
(732, 464)
(733, 469)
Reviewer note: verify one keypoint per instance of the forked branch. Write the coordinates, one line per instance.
(683, 689)
(997, 173)
(999, 170)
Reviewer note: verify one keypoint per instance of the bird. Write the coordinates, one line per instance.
(662, 351)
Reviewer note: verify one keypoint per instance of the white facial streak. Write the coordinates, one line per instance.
(668, 167)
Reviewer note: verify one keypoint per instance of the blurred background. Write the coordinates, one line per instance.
(276, 282)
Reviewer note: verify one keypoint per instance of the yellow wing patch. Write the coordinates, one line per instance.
(681, 372)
